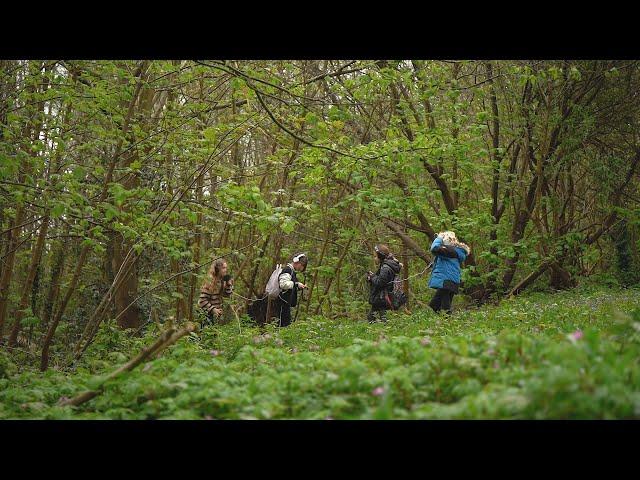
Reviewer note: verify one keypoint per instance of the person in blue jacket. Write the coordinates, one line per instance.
(445, 275)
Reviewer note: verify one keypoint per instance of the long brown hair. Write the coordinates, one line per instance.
(382, 252)
(382, 248)
(213, 276)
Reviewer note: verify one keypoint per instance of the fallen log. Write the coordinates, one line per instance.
(168, 337)
(530, 278)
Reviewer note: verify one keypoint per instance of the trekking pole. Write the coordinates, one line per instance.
(304, 278)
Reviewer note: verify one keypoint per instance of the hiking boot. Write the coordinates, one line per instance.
(371, 317)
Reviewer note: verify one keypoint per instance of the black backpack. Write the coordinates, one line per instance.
(394, 299)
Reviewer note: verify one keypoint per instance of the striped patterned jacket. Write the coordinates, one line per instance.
(211, 298)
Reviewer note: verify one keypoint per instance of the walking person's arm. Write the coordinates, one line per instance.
(439, 248)
(285, 281)
(448, 251)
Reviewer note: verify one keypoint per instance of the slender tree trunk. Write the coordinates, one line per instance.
(404, 258)
(57, 267)
(128, 290)
(7, 270)
(196, 252)
(338, 265)
(28, 284)
(44, 361)
(325, 242)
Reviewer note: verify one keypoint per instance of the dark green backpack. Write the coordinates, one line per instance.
(396, 298)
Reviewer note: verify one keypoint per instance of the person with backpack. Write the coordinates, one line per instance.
(280, 293)
(449, 253)
(381, 283)
(289, 286)
(218, 284)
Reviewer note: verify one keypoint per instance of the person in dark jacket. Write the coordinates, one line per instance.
(381, 282)
(289, 286)
(445, 276)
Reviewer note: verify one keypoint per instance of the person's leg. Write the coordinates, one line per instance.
(286, 318)
(371, 315)
(436, 301)
(271, 307)
(285, 315)
(383, 315)
(446, 300)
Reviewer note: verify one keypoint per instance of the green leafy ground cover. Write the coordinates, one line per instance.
(569, 355)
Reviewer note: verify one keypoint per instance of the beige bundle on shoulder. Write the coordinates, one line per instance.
(449, 238)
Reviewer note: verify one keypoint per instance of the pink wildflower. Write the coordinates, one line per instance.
(214, 353)
(577, 335)
(377, 391)
(425, 341)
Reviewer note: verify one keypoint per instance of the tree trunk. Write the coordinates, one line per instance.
(7, 271)
(198, 243)
(57, 266)
(338, 265)
(28, 284)
(44, 361)
(129, 287)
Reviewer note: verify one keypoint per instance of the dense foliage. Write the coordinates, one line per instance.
(569, 355)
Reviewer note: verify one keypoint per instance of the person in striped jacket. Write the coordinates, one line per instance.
(216, 286)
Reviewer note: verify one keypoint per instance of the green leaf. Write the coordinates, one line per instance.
(57, 210)
(8, 165)
(288, 226)
(210, 134)
(110, 212)
(79, 173)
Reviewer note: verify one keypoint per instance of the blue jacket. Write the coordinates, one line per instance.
(445, 268)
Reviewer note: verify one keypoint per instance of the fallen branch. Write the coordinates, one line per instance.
(167, 338)
(530, 278)
(408, 241)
